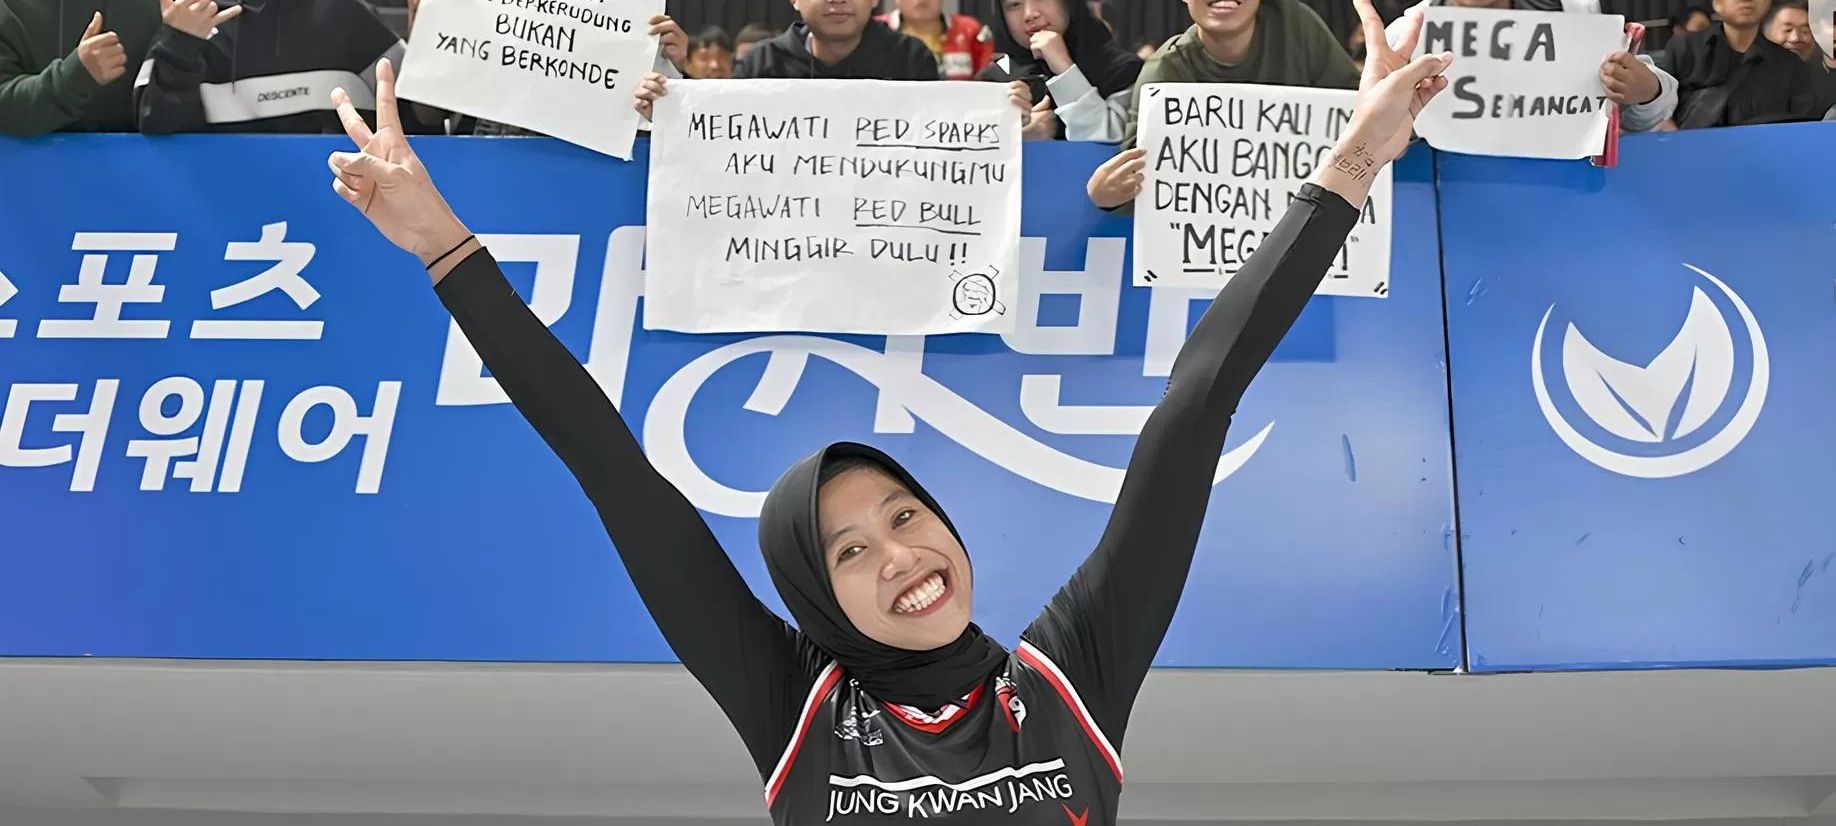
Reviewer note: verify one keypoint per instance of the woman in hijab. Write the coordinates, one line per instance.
(1060, 48)
(886, 699)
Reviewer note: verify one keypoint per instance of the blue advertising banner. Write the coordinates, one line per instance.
(1642, 379)
(237, 423)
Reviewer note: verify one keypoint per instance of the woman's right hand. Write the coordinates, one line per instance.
(655, 86)
(387, 183)
(1050, 47)
(1119, 179)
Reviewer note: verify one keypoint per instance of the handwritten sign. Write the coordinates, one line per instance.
(1223, 161)
(566, 68)
(786, 205)
(1523, 83)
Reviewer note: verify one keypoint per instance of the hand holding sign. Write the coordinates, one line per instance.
(387, 183)
(670, 38)
(1119, 179)
(1628, 80)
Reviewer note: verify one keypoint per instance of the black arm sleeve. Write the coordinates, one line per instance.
(757, 667)
(1105, 625)
(167, 99)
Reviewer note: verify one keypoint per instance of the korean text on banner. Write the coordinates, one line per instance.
(781, 205)
(1223, 161)
(1523, 83)
(566, 68)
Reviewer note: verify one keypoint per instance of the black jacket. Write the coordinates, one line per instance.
(1718, 86)
(883, 55)
(270, 70)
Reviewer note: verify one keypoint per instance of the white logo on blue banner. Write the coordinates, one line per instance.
(1640, 404)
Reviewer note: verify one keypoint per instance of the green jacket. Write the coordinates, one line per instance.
(45, 88)
(1292, 47)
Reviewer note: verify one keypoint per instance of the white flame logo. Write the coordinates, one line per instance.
(666, 442)
(1638, 403)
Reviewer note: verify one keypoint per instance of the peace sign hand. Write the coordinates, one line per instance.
(387, 183)
(197, 18)
(1392, 92)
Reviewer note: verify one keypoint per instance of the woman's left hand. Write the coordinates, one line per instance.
(1049, 46)
(1392, 92)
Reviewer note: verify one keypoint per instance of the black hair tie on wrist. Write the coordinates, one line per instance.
(436, 262)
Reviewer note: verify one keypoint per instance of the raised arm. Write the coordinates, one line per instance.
(1105, 626)
(752, 662)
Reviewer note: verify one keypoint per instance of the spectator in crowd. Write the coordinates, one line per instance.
(749, 37)
(1689, 20)
(1789, 26)
(960, 43)
(838, 40)
(1058, 45)
(710, 55)
(1646, 94)
(272, 70)
(1279, 42)
(64, 66)
(1731, 76)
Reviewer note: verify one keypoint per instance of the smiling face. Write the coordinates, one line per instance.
(1224, 18)
(899, 573)
(1790, 28)
(836, 20)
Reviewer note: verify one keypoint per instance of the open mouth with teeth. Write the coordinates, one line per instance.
(924, 597)
(1224, 6)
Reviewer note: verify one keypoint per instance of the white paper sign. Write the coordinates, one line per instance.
(1523, 83)
(566, 68)
(1823, 23)
(839, 206)
(1223, 161)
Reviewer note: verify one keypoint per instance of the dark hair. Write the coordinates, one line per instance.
(838, 465)
(1777, 5)
(1092, 45)
(712, 37)
(756, 33)
(1681, 18)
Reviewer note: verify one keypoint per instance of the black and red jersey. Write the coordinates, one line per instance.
(1039, 742)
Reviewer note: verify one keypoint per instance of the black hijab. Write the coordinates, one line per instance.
(1108, 66)
(790, 536)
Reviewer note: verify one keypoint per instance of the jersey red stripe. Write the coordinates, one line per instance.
(936, 726)
(1049, 670)
(830, 678)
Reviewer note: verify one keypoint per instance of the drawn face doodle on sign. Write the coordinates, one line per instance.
(974, 294)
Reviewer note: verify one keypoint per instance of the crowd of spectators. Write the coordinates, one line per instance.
(162, 66)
